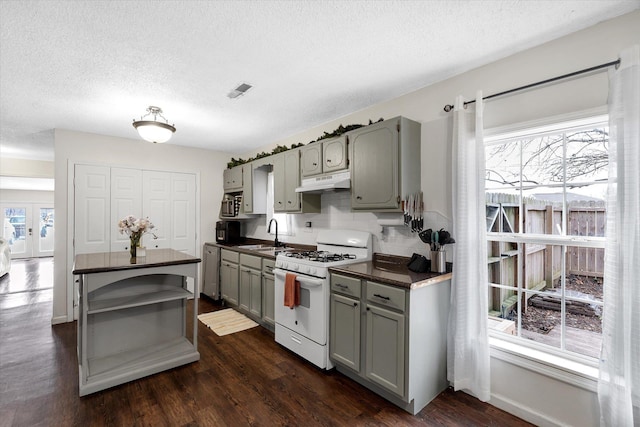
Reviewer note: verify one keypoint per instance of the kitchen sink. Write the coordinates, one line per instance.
(258, 247)
(253, 247)
(265, 248)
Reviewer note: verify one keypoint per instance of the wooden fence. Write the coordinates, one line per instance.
(542, 263)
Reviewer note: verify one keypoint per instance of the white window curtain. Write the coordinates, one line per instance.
(467, 336)
(619, 382)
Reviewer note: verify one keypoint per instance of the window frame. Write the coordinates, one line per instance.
(501, 342)
(282, 219)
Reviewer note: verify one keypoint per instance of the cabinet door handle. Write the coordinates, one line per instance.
(328, 160)
(382, 297)
(358, 198)
(355, 304)
(341, 286)
(315, 164)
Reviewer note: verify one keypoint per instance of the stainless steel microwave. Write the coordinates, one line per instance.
(230, 206)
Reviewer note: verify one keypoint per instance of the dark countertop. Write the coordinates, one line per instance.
(111, 261)
(392, 270)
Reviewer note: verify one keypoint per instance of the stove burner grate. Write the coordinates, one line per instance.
(320, 256)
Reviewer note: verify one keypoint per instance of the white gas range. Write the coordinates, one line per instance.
(304, 329)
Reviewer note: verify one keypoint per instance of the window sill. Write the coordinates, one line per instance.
(559, 368)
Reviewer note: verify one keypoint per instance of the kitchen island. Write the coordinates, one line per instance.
(132, 318)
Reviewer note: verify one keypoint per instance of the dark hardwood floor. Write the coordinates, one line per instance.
(241, 379)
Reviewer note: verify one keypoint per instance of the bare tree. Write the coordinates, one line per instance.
(582, 154)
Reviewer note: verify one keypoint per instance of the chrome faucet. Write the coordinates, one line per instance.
(275, 243)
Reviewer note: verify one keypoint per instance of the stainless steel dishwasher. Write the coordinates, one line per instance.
(211, 271)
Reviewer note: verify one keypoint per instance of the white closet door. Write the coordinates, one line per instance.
(91, 212)
(126, 199)
(183, 212)
(156, 205)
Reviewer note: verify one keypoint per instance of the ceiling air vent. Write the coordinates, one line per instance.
(239, 91)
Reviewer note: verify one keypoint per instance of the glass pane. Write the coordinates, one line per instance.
(542, 208)
(542, 278)
(542, 160)
(587, 155)
(502, 213)
(46, 230)
(587, 214)
(502, 167)
(503, 310)
(15, 229)
(502, 268)
(583, 313)
(541, 319)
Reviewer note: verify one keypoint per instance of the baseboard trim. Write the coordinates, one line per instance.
(56, 320)
(523, 411)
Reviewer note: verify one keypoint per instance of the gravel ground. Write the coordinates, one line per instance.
(542, 321)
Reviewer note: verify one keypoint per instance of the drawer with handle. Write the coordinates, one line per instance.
(345, 285)
(385, 295)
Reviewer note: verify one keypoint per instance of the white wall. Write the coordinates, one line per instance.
(78, 147)
(26, 168)
(512, 386)
(26, 196)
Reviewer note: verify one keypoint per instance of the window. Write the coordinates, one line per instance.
(546, 216)
(283, 220)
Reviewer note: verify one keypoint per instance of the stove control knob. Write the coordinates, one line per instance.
(295, 267)
(307, 270)
(313, 271)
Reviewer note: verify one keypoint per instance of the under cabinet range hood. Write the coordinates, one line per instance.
(327, 182)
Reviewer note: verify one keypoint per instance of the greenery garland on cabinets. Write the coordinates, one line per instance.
(281, 148)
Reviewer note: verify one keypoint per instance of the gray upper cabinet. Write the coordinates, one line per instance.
(232, 179)
(286, 178)
(334, 154)
(324, 157)
(311, 159)
(247, 188)
(385, 164)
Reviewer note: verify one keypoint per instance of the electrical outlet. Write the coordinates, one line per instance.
(307, 224)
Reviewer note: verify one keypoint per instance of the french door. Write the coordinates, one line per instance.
(29, 228)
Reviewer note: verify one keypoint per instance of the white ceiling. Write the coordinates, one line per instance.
(93, 66)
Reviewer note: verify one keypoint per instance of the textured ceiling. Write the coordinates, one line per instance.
(93, 66)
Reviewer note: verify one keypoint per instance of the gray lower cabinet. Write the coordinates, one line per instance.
(211, 271)
(229, 277)
(345, 331)
(250, 298)
(385, 348)
(390, 339)
(268, 292)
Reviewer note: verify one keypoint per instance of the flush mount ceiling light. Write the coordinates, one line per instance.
(239, 91)
(153, 130)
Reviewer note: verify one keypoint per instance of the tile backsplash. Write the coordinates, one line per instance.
(336, 214)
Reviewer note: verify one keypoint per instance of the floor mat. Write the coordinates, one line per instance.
(227, 321)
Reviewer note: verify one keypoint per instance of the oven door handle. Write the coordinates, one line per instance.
(304, 280)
